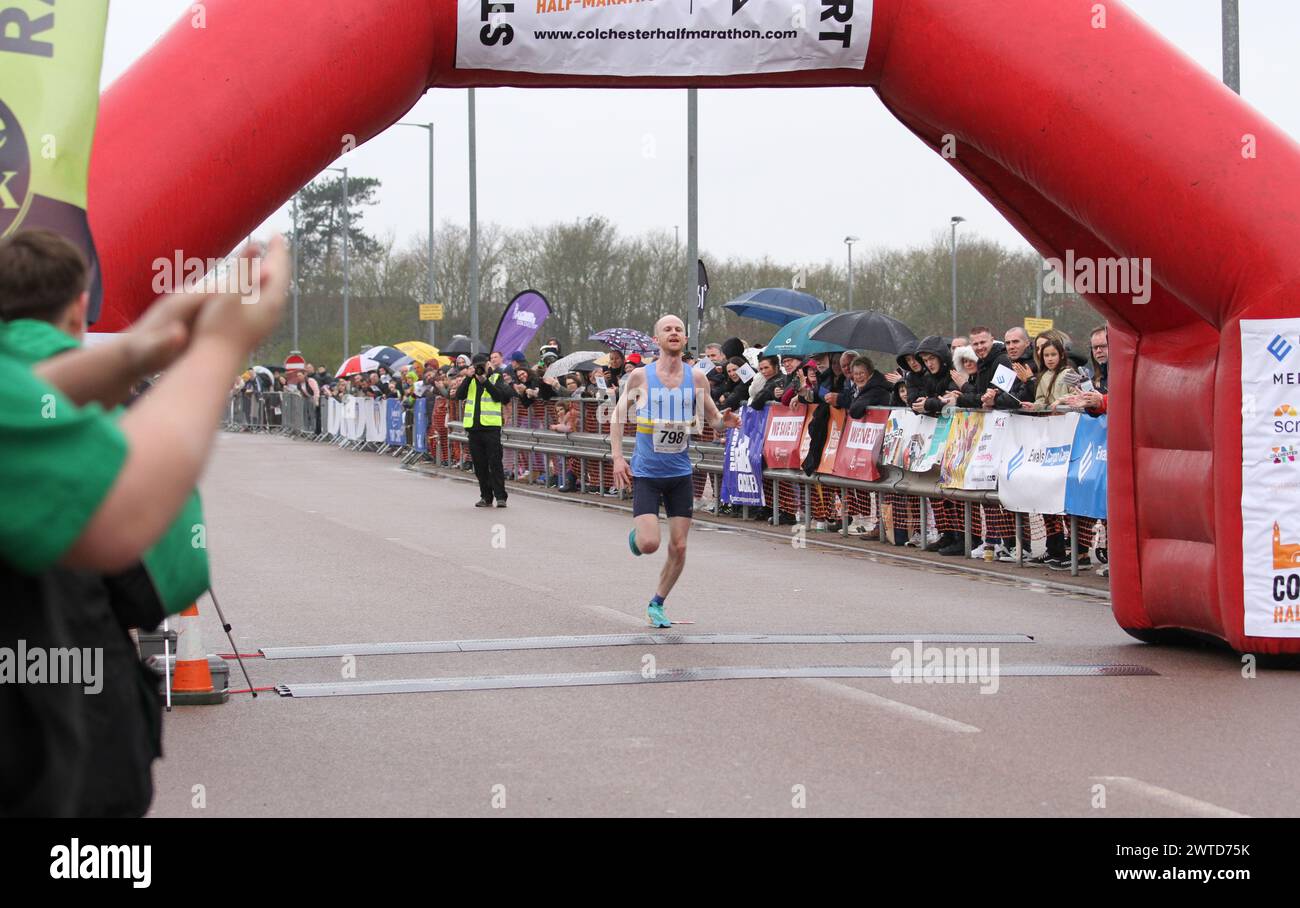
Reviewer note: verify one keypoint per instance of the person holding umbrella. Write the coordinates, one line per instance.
(668, 401)
(484, 394)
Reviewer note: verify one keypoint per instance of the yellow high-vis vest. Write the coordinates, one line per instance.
(490, 416)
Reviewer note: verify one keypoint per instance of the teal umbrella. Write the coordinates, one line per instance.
(793, 339)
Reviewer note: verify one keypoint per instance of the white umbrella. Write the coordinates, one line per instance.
(567, 364)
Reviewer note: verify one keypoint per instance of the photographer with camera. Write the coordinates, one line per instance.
(484, 392)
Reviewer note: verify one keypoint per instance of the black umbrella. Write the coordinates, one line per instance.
(456, 346)
(863, 330)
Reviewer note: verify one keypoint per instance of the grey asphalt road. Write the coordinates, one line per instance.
(313, 545)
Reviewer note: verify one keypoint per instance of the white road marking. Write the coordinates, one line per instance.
(1170, 798)
(902, 709)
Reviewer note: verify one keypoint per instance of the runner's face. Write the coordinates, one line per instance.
(671, 335)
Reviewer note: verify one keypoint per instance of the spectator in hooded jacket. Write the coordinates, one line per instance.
(981, 393)
(905, 391)
(936, 385)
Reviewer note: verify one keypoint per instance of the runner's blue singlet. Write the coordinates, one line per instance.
(663, 422)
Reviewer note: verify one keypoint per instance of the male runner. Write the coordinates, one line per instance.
(670, 400)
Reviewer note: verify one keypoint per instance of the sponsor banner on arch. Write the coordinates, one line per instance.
(1270, 476)
(662, 37)
(1036, 462)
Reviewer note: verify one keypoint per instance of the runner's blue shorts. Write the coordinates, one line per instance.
(676, 493)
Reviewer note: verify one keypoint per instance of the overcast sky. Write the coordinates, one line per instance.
(751, 141)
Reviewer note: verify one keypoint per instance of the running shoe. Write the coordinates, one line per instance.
(657, 616)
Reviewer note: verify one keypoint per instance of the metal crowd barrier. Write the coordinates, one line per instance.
(584, 458)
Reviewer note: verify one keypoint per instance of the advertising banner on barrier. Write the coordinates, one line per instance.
(982, 473)
(900, 426)
(1270, 477)
(963, 437)
(662, 37)
(1036, 463)
(936, 431)
(783, 434)
(834, 434)
(354, 424)
(860, 447)
(1085, 487)
(371, 416)
(909, 438)
(394, 423)
(742, 462)
(420, 432)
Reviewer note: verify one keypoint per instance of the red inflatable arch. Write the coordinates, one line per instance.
(1104, 141)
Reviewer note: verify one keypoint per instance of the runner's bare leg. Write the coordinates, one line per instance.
(647, 533)
(678, 528)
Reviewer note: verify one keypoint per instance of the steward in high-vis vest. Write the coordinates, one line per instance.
(484, 393)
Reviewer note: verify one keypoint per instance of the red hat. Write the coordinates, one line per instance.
(635, 358)
(294, 361)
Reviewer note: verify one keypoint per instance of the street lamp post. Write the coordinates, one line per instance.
(346, 278)
(849, 241)
(957, 219)
(473, 229)
(433, 336)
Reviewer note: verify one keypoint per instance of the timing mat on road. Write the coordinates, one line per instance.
(503, 644)
(666, 676)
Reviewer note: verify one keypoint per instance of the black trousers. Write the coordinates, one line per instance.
(485, 451)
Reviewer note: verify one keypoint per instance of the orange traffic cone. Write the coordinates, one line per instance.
(192, 679)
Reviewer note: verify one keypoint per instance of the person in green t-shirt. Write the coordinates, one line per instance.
(88, 493)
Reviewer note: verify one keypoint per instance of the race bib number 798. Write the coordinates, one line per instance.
(671, 437)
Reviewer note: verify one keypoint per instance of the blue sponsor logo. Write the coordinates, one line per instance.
(1055, 456)
(1014, 463)
(1280, 347)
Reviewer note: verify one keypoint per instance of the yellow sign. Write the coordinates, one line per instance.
(1036, 326)
(430, 312)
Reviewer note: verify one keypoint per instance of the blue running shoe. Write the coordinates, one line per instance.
(631, 542)
(657, 616)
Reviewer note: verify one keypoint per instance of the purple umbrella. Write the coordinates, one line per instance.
(627, 340)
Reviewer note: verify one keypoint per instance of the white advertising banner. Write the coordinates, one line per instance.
(662, 37)
(1270, 476)
(1036, 463)
(982, 469)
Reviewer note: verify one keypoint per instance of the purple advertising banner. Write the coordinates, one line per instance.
(522, 319)
(742, 465)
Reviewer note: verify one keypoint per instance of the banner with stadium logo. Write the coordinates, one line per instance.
(742, 462)
(1036, 463)
(49, 100)
(1085, 488)
(1270, 477)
